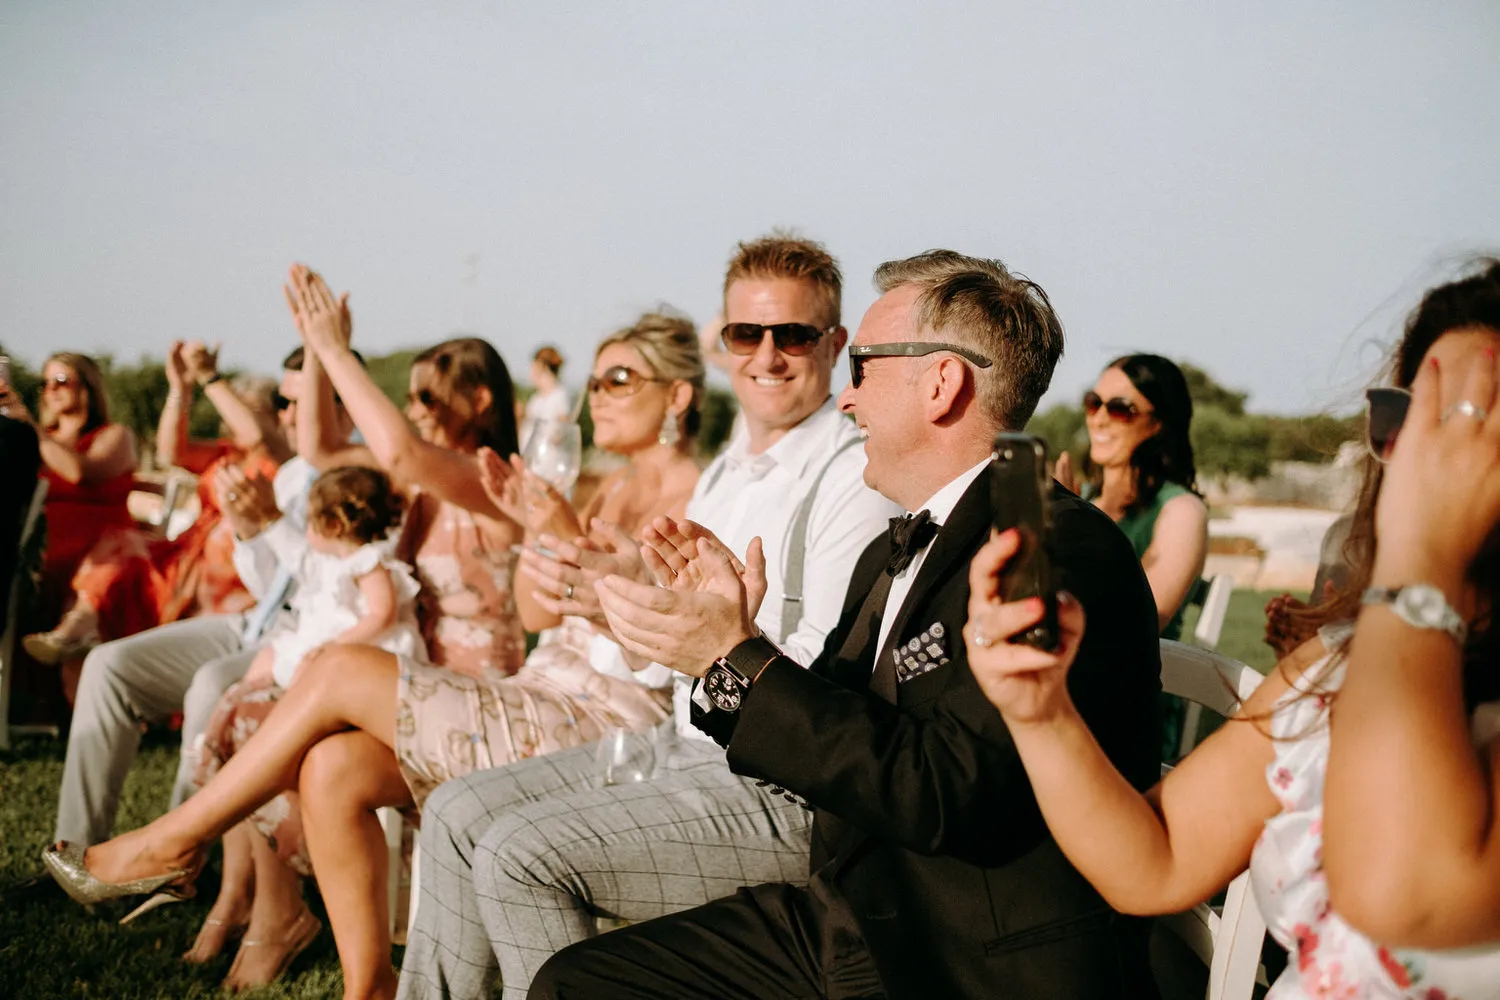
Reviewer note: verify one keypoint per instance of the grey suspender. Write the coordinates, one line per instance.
(791, 578)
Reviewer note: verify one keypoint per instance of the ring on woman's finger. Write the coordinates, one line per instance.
(983, 641)
(568, 592)
(1464, 408)
(233, 495)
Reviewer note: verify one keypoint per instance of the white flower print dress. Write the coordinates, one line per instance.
(1328, 959)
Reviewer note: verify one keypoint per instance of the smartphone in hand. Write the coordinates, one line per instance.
(1020, 492)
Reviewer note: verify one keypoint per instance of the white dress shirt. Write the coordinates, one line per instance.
(740, 496)
(938, 507)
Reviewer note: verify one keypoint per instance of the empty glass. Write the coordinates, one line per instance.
(554, 451)
(625, 756)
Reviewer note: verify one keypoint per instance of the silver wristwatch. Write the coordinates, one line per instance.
(1421, 605)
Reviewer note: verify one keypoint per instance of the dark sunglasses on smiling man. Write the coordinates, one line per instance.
(860, 353)
(795, 339)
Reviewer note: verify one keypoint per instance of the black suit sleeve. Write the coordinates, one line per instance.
(942, 776)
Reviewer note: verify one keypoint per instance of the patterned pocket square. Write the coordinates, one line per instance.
(925, 652)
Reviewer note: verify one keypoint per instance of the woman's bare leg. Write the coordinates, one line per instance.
(236, 892)
(345, 778)
(345, 687)
(278, 905)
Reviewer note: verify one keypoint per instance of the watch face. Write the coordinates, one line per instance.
(723, 689)
(1424, 605)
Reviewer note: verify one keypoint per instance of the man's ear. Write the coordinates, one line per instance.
(838, 337)
(947, 388)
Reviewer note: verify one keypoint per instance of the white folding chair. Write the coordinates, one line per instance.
(1228, 941)
(1206, 633)
(400, 888)
(8, 636)
(1215, 609)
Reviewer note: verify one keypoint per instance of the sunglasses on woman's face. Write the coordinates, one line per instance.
(280, 402)
(61, 381)
(1385, 412)
(861, 353)
(795, 339)
(619, 380)
(1119, 408)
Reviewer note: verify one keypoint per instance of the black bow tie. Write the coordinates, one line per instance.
(909, 535)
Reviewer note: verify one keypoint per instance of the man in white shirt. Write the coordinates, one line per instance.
(519, 861)
(187, 665)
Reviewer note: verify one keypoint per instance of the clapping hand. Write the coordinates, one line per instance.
(178, 378)
(249, 502)
(1063, 472)
(323, 320)
(199, 362)
(701, 615)
(1025, 683)
(565, 572)
(525, 497)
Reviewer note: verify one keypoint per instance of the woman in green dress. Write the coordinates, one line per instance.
(1143, 475)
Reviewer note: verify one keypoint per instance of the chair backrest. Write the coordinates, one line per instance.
(29, 528)
(1228, 941)
(1215, 609)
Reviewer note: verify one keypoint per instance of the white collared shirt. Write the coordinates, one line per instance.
(938, 507)
(740, 496)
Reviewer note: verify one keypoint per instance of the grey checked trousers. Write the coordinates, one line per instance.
(517, 862)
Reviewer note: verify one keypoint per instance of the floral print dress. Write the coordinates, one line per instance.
(1329, 959)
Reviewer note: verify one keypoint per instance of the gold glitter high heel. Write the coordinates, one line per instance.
(64, 861)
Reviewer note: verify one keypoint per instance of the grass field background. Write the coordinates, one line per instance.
(51, 948)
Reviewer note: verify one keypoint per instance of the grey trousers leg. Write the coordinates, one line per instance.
(143, 678)
(693, 833)
(203, 694)
(448, 952)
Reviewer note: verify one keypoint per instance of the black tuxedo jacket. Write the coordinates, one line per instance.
(926, 834)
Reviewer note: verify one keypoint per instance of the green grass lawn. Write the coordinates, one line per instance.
(52, 948)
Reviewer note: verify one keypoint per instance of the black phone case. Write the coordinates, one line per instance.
(1020, 489)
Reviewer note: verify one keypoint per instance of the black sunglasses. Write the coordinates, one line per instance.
(1385, 412)
(618, 380)
(860, 353)
(796, 339)
(280, 402)
(1119, 408)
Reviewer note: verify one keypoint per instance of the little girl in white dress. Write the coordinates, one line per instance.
(350, 588)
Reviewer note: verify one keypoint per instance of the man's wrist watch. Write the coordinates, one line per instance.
(727, 681)
(1421, 605)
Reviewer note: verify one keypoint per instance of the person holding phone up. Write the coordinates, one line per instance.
(1360, 782)
(931, 872)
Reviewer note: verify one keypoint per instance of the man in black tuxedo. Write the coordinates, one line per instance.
(932, 873)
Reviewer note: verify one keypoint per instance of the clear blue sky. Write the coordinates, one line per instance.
(1261, 189)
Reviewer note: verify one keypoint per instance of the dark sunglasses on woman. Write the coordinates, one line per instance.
(60, 381)
(795, 339)
(1385, 412)
(619, 380)
(1119, 408)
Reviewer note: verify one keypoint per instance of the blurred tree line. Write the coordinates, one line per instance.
(137, 393)
(1227, 440)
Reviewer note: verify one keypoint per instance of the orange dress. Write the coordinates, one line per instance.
(95, 550)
